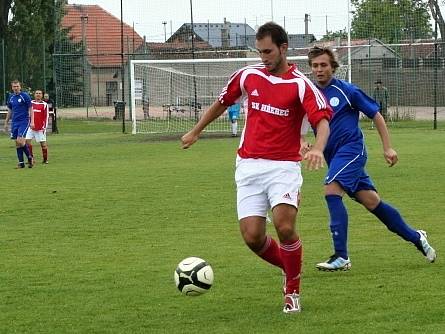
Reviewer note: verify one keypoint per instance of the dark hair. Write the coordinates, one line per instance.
(321, 50)
(275, 31)
(15, 82)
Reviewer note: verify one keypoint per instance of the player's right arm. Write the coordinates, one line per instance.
(215, 110)
(8, 116)
(228, 96)
(31, 115)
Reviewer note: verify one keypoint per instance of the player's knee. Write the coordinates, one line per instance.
(254, 242)
(285, 231)
(370, 201)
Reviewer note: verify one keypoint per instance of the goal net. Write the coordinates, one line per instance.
(169, 96)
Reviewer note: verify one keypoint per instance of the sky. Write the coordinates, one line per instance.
(158, 19)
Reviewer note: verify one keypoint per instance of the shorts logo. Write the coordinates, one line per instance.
(287, 196)
(334, 101)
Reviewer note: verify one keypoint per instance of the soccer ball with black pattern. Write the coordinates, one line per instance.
(193, 276)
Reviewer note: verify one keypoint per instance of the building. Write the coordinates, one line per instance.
(100, 32)
(219, 35)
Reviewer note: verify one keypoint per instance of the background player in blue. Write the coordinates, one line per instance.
(19, 111)
(346, 156)
(233, 112)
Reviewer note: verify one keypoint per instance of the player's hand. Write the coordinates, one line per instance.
(390, 156)
(188, 139)
(305, 147)
(315, 159)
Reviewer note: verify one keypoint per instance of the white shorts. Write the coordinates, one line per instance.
(263, 184)
(39, 136)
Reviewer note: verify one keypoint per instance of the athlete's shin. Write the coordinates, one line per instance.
(291, 254)
(270, 252)
(338, 224)
(391, 217)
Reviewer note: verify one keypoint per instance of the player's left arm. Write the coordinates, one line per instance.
(319, 114)
(388, 152)
(45, 124)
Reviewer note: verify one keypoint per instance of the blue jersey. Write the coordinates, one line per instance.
(19, 104)
(347, 101)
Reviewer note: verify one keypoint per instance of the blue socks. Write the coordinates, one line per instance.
(20, 154)
(389, 216)
(338, 224)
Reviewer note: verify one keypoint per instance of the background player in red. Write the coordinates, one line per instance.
(39, 122)
(268, 173)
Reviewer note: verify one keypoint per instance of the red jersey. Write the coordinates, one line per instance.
(276, 106)
(40, 111)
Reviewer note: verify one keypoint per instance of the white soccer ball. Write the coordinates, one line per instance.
(193, 276)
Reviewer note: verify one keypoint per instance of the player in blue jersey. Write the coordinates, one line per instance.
(233, 112)
(19, 111)
(346, 156)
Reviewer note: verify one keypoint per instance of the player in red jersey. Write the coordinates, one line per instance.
(268, 174)
(39, 122)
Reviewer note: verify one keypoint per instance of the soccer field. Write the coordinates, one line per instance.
(89, 243)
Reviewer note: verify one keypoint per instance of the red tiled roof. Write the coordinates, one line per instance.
(102, 34)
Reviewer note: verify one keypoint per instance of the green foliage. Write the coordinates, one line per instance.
(30, 38)
(391, 20)
(90, 242)
(331, 35)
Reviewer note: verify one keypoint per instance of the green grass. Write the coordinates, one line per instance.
(89, 242)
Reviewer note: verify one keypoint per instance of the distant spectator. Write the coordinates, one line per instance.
(381, 96)
(52, 112)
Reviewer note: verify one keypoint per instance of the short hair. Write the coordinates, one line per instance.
(275, 31)
(15, 82)
(321, 50)
(39, 90)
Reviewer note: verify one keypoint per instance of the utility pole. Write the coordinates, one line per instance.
(165, 30)
(84, 20)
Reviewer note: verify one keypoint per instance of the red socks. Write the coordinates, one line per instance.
(30, 149)
(291, 254)
(45, 154)
(271, 252)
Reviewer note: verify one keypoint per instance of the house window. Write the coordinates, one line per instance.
(111, 86)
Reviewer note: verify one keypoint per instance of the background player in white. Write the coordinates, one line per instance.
(268, 174)
(39, 122)
(346, 156)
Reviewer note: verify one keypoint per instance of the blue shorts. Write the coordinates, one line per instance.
(233, 112)
(348, 169)
(19, 129)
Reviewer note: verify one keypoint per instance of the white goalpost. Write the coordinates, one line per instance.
(169, 96)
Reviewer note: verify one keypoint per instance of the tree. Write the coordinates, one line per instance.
(437, 16)
(31, 37)
(332, 35)
(5, 6)
(391, 20)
